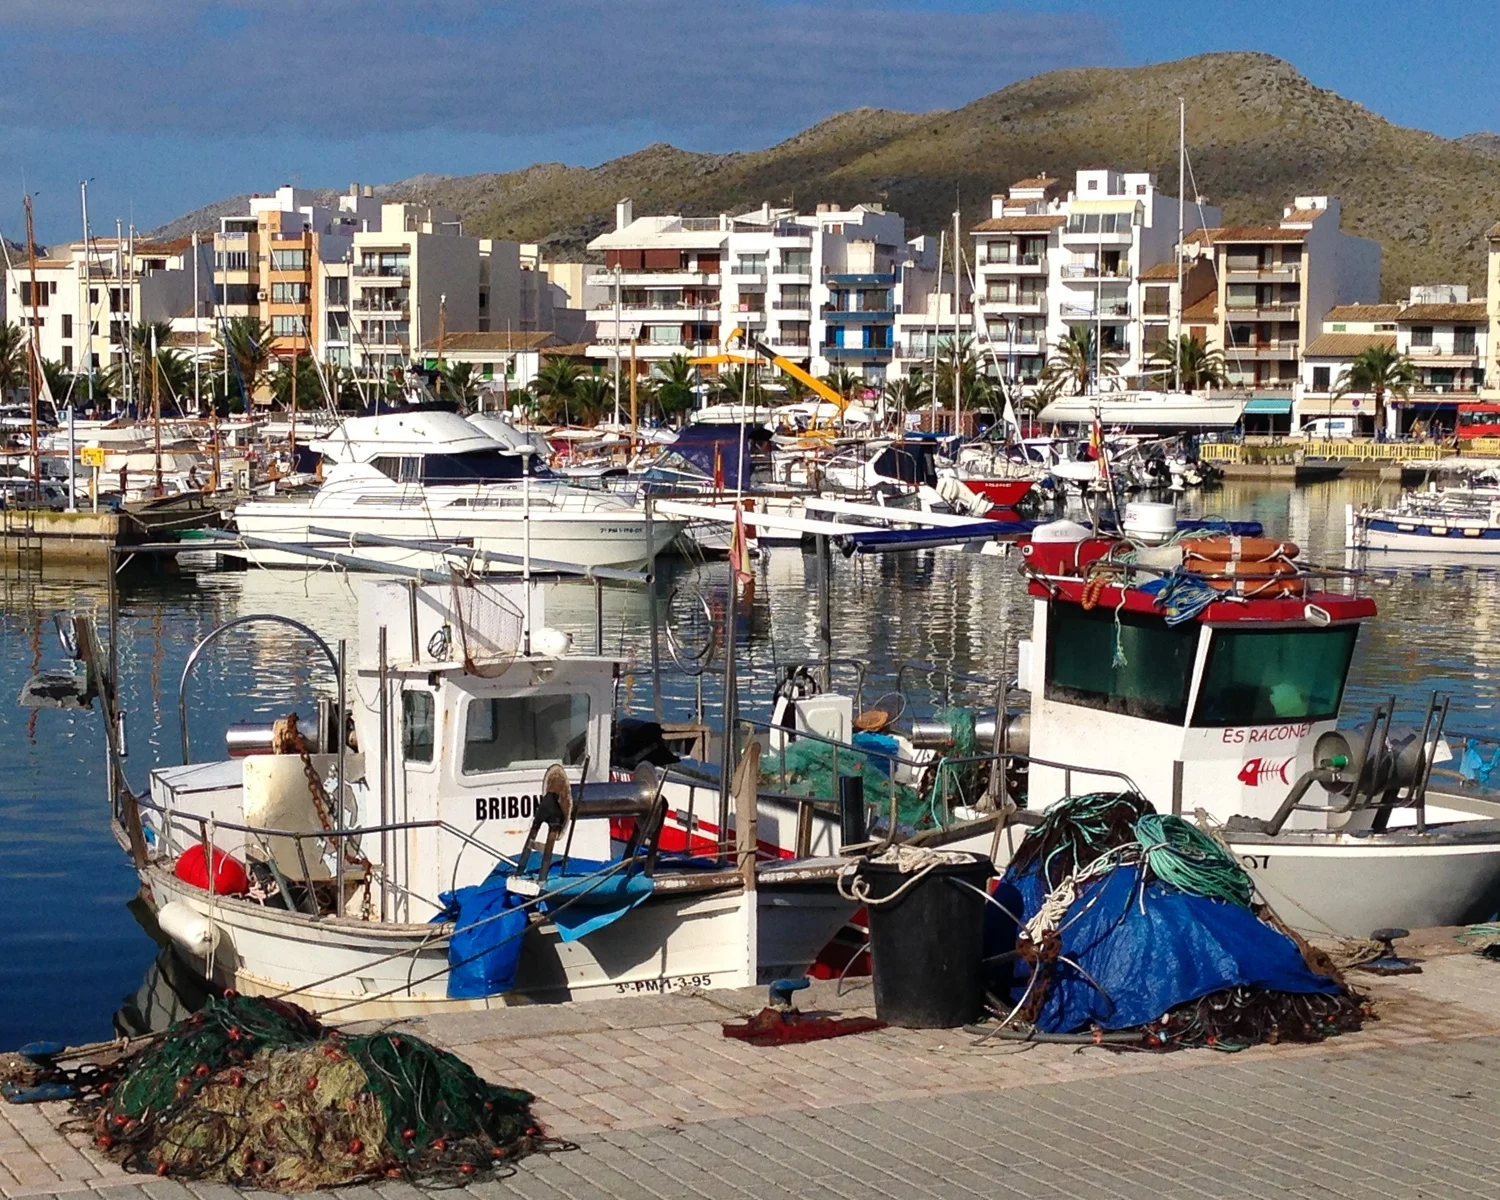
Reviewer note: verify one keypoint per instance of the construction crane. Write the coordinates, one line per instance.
(785, 365)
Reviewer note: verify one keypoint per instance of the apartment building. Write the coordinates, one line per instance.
(82, 309)
(1444, 335)
(819, 288)
(1048, 263)
(1492, 305)
(1275, 284)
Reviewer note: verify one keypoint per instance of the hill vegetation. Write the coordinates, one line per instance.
(1259, 133)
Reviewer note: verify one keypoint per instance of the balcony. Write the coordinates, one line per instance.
(1081, 271)
(803, 305)
(1440, 356)
(377, 304)
(1023, 303)
(741, 273)
(656, 312)
(380, 273)
(1263, 312)
(855, 315)
(781, 342)
(1108, 312)
(1117, 238)
(887, 279)
(1263, 351)
(641, 277)
(832, 351)
(1265, 273)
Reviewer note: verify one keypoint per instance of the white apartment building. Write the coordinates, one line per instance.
(84, 301)
(1049, 263)
(1446, 337)
(819, 288)
(1492, 305)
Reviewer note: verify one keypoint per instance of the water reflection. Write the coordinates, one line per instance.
(70, 949)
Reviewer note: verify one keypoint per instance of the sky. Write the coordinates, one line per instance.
(166, 105)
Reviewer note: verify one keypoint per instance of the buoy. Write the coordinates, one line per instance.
(230, 877)
(1238, 549)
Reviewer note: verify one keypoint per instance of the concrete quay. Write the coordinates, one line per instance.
(662, 1106)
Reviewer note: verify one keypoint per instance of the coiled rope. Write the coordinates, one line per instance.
(1188, 859)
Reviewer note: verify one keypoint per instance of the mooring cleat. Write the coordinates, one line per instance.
(1389, 962)
(782, 989)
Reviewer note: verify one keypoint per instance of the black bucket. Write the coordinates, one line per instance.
(927, 945)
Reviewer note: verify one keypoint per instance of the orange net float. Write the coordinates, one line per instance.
(1253, 569)
(1238, 549)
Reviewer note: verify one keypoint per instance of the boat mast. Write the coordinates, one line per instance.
(197, 356)
(1181, 197)
(88, 306)
(957, 330)
(34, 360)
(937, 324)
(156, 409)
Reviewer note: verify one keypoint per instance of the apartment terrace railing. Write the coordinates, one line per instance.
(1076, 271)
(1107, 312)
(1235, 312)
(700, 225)
(369, 306)
(793, 305)
(365, 271)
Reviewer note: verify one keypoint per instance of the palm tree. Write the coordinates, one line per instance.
(13, 351)
(1073, 363)
(309, 383)
(456, 381)
(1380, 370)
(675, 379)
(556, 385)
(593, 397)
(906, 394)
(845, 382)
(976, 388)
(739, 384)
(1201, 367)
(247, 343)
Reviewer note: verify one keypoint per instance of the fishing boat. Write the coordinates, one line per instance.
(432, 474)
(1456, 520)
(452, 812)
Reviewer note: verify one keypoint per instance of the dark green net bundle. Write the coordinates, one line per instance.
(257, 1093)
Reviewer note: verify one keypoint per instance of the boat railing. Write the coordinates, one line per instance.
(948, 772)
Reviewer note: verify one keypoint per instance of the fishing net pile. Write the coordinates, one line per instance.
(806, 767)
(1132, 920)
(256, 1093)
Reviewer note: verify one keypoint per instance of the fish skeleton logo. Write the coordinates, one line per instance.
(1258, 769)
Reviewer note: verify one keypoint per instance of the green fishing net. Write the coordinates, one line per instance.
(256, 1093)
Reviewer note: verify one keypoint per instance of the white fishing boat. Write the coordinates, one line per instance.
(1444, 521)
(474, 761)
(433, 475)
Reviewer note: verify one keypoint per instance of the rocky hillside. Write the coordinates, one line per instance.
(1258, 134)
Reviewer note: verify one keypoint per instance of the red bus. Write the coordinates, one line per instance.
(1477, 421)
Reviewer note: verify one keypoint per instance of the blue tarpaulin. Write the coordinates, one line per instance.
(489, 920)
(1149, 949)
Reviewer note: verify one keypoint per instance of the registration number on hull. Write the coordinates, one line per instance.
(671, 983)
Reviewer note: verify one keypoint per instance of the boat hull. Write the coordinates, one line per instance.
(598, 539)
(1424, 535)
(1002, 493)
(353, 970)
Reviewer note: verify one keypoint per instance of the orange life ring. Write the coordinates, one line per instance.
(1272, 587)
(1239, 549)
(1251, 569)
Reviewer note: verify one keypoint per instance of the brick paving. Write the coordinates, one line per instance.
(661, 1106)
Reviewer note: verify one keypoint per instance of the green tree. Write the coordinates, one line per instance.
(457, 381)
(1072, 364)
(674, 380)
(58, 378)
(1201, 367)
(906, 394)
(1381, 372)
(593, 399)
(556, 388)
(247, 343)
(13, 351)
(845, 382)
(976, 388)
(309, 383)
(739, 384)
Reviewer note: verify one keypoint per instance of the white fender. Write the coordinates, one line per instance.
(192, 931)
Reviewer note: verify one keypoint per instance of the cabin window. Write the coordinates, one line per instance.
(1149, 676)
(417, 726)
(518, 732)
(472, 466)
(402, 470)
(1262, 677)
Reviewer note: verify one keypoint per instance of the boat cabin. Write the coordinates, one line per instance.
(428, 447)
(1215, 700)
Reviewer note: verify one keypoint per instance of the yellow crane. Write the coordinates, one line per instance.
(785, 365)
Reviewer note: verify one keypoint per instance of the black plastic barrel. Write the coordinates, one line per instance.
(927, 945)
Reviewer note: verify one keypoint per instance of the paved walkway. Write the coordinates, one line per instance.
(662, 1106)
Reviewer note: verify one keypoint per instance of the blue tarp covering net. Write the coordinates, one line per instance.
(490, 920)
(1147, 948)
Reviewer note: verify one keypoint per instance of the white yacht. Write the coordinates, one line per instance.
(433, 475)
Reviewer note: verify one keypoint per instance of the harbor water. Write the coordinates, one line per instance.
(73, 956)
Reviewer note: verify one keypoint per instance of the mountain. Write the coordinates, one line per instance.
(1482, 141)
(1259, 134)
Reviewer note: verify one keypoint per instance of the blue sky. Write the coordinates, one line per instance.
(169, 104)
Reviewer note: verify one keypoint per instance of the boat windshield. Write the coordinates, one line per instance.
(1268, 676)
(510, 733)
(1140, 666)
(476, 466)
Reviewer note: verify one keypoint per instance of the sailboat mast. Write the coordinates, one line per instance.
(87, 305)
(1181, 200)
(34, 361)
(957, 329)
(156, 409)
(937, 324)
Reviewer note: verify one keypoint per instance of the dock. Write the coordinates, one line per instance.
(54, 536)
(661, 1105)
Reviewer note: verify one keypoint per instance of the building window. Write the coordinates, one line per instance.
(289, 326)
(1421, 335)
(288, 260)
(289, 293)
(1321, 378)
(67, 325)
(67, 358)
(232, 260)
(44, 291)
(1339, 327)
(750, 264)
(796, 262)
(1463, 340)
(93, 295)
